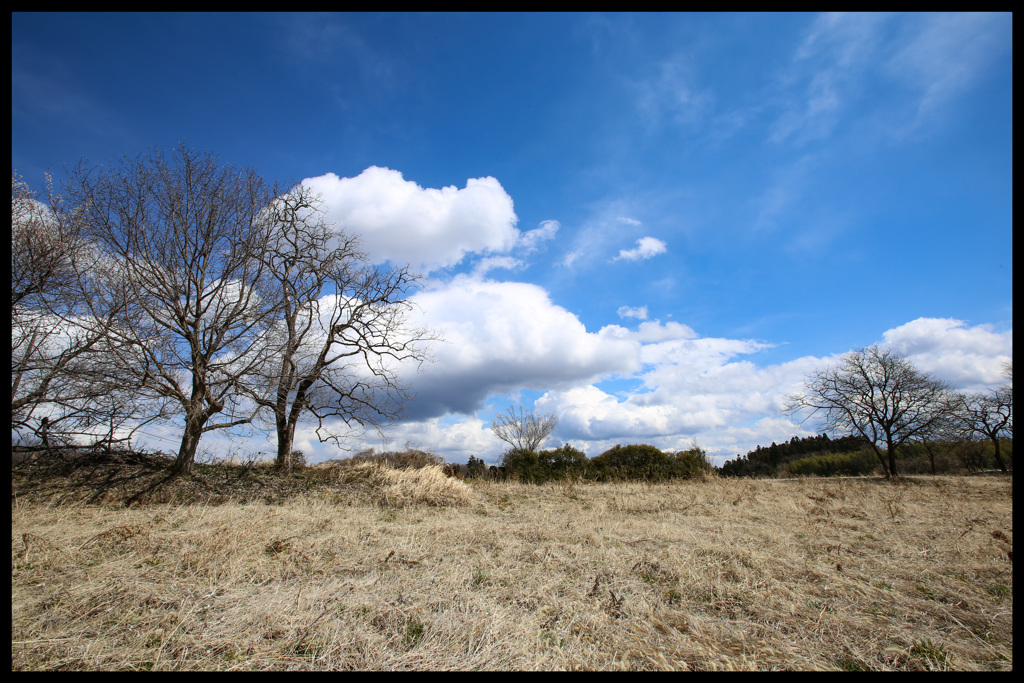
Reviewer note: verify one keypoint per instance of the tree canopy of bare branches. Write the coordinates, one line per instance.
(63, 385)
(989, 415)
(341, 328)
(184, 237)
(878, 394)
(523, 430)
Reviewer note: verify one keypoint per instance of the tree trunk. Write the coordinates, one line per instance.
(999, 458)
(892, 459)
(285, 439)
(187, 451)
(881, 460)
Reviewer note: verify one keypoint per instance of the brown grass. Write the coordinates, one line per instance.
(825, 574)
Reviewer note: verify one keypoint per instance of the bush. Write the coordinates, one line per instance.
(638, 461)
(562, 462)
(689, 464)
(523, 466)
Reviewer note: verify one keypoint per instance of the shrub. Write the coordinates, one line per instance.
(562, 462)
(638, 461)
(522, 465)
(689, 464)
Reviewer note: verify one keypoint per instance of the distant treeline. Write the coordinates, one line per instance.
(852, 455)
(766, 461)
(811, 456)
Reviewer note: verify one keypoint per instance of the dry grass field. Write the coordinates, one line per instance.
(406, 570)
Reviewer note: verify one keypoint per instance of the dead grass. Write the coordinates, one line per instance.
(426, 485)
(829, 574)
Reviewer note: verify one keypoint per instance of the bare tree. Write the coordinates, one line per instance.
(42, 248)
(184, 236)
(523, 430)
(63, 386)
(989, 415)
(877, 394)
(341, 332)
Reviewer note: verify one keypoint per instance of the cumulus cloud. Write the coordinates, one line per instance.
(661, 383)
(654, 331)
(504, 336)
(711, 390)
(646, 248)
(690, 387)
(455, 439)
(969, 358)
(430, 228)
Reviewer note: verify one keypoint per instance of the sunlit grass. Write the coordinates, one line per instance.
(843, 574)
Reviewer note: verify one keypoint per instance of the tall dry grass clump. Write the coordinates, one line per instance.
(425, 485)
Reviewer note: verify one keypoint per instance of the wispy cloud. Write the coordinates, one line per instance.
(638, 312)
(865, 68)
(946, 56)
(824, 75)
(489, 263)
(531, 239)
(671, 94)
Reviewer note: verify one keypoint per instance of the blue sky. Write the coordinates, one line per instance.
(652, 225)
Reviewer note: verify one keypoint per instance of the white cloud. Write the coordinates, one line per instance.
(601, 233)
(429, 228)
(969, 358)
(690, 388)
(639, 312)
(647, 247)
(454, 439)
(650, 331)
(655, 331)
(661, 384)
(704, 388)
(571, 257)
(531, 239)
(503, 336)
(828, 66)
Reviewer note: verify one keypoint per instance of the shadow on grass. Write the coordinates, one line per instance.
(77, 476)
